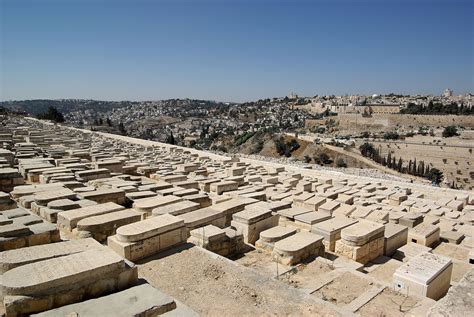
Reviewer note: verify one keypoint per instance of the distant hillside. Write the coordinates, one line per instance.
(37, 106)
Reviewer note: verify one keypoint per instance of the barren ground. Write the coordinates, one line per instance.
(218, 287)
(389, 303)
(343, 290)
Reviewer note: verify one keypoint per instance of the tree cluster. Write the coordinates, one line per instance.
(413, 168)
(287, 148)
(438, 109)
(51, 114)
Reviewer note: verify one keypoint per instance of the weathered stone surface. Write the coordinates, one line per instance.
(68, 219)
(13, 258)
(146, 205)
(148, 228)
(203, 217)
(362, 232)
(56, 274)
(105, 195)
(178, 208)
(458, 301)
(425, 275)
(276, 233)
(102, 226)
(43, 198)
(297, 247)
(141, 300)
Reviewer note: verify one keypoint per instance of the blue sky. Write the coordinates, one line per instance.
(233, 50)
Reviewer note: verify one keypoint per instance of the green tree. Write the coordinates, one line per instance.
(435, 176)
(367, 149)
(52, 114)
(450, 131)
(121, 128)
(170, 139)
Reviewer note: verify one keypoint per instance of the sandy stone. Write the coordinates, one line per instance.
(148, 228)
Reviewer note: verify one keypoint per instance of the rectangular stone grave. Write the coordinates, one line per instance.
(14, 258)
(102, 226)
(146, 205)
(297, 248)
(147, 301)
(395, 236)
(424, 234)
(175, 209)
(54, 282)
(148, 237)
(361, 242)
(203, 217)
(67, 220)
(223, 186)
(426, 275)
(331, 230)
(104, 195)
(225, 242)
(252, 221)
(268, 237)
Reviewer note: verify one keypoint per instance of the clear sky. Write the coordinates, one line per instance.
(233, 50)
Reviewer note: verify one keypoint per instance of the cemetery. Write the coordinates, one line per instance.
(95, 224)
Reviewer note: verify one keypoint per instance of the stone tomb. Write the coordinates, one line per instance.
(297, 248)
(425, 275)
(175, 209)
(14, 258)
(21, 229)
(270, 236)
(411, 219)
(68, 279)
(306, 220)
(148, 237)
(331, 230)
(67, 220)
(203, 217)
(252, 221)
(424, 234)
(395, 237)
(223, 186)
(146, 205)
(409, 251)
(225, 242)
(102, 226)
(141, 300)
(361, 242)
(104, 195)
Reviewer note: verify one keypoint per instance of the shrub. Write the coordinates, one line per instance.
(391, 136)
(323, 158)
(340, 162)
(258, 147)
(450, 131)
